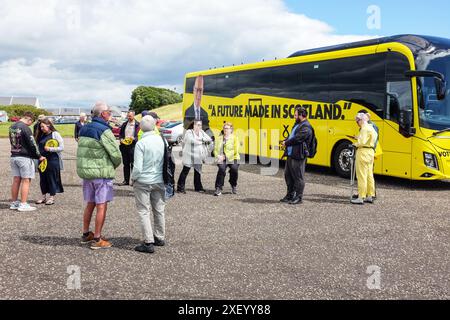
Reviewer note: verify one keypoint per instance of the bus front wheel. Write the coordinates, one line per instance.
(342, 159)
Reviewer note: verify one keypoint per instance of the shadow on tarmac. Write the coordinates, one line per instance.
(123, 243)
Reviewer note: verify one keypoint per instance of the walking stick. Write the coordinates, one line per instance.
(352, 170)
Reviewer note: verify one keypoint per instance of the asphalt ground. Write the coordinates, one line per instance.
(245, 246)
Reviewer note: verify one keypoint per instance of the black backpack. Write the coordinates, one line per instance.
(311, 149)
(168, 170)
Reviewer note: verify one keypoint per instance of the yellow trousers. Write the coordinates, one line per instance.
(364, 172)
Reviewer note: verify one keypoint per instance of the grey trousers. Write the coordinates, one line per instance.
(294, 174)
(151, 197)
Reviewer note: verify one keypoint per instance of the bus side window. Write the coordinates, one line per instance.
(398, 87)
(399, 97)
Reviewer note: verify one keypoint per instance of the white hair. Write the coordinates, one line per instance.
(99, 108)
(363, 117)
(148, 123)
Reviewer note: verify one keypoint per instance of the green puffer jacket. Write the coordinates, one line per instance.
(98, 155)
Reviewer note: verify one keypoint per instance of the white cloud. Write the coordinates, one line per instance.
(75, 50)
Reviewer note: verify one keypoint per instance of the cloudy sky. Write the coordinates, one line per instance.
(74, 52)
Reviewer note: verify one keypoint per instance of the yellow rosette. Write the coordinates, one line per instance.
(52, 143)
(127, 141)
(43, 165)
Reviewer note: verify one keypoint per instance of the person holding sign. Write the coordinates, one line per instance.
(51, 145)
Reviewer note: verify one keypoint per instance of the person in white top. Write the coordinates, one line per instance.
(195, 151)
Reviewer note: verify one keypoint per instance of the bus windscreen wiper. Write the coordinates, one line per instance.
(442, 131)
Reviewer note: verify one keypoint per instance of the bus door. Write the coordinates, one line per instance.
(254, 130)
(396, 147)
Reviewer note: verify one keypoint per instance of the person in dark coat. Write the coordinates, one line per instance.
(79, 125)
(128, 139)
(294, 174)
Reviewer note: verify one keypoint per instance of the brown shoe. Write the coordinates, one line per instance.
(87, 239)
(102, 244)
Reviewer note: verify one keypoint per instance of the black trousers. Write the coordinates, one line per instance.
(128, 160)
(234, 173)
(182, 179)
(294, 174)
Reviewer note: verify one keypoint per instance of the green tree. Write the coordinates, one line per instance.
(149, 98)
(17, 110)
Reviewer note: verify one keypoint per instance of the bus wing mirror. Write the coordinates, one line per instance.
(439, 81)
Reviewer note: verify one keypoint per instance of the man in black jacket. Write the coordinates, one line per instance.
(23, 151)
(296, 153)
(128, 133)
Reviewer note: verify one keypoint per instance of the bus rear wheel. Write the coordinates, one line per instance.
(342, 159)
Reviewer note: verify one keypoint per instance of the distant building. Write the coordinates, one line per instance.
(29, 101)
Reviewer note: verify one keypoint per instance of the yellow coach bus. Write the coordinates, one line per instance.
(399, 80)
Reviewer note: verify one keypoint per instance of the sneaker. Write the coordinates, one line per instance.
(25, 207)
(101, 244)
(369, 200)
(14, 205)
(359, 201)
(159, 243)
(87, 239)
(145, 248)
(286, 199)
(296, 200)
(201, 191)
(234, 190)
(218, 192)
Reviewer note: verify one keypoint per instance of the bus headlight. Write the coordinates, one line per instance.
(430, 160)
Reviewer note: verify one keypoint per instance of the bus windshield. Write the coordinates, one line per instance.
(434, 113)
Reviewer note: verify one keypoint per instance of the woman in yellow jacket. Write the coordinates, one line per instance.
(365, 157)
(227, 156)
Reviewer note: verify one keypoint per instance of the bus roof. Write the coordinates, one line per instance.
(415, 42)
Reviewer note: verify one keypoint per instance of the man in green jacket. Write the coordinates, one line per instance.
(98, 157)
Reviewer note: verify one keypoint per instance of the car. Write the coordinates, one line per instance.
(173, 132)
(165, 123)
(115, 129)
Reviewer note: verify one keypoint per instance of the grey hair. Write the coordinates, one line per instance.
(148, 123)
(99, 108)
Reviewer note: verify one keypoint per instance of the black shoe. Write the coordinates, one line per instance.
(181, 191)
(201, 191)
(124, 184)
(145, 248)
(218, 192)
(286, 199)
(234, 190)
(296, 200)
(159, 243)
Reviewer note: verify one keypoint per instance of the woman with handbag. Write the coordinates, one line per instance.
(51, 145)
(195, 151)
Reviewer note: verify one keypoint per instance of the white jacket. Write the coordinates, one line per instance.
(195, 149)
